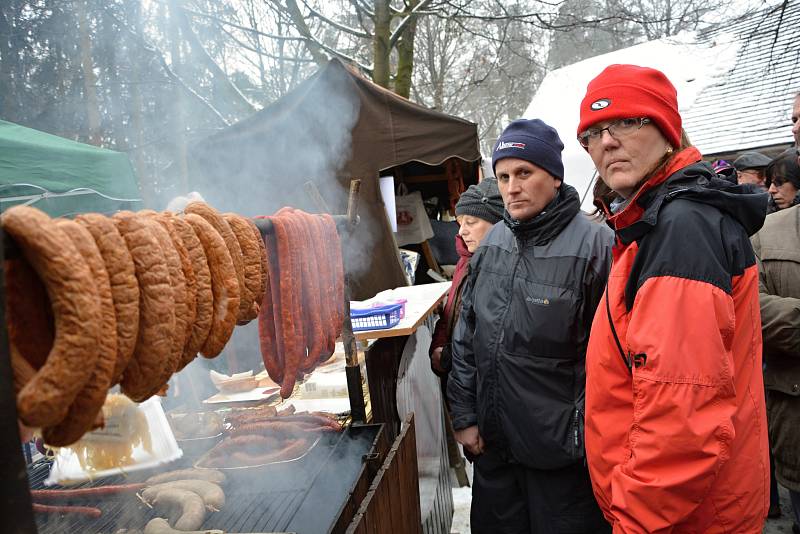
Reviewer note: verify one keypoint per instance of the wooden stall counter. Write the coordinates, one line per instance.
(383, 361)
(421, 300)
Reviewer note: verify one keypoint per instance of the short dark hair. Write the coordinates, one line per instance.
(785, 167)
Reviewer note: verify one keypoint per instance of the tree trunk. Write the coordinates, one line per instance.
(145, 178)
(405, 55)
(383, 20)
(178, 123)
(7, 74)
(300, 24)
(239, 103)
(89, 78)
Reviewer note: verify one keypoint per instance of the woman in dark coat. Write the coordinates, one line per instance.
(477, 210)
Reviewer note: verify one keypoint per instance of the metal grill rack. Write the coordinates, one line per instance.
(306, 497)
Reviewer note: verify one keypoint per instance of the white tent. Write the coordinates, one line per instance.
(689, 65)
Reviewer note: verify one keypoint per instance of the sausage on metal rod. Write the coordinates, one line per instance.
(204, 298)
(54, 495)
(153, 349)
(327, 304)
(124, 286)
(311, 306)
(46, 397)
(269, 327)
(88, 403)
(224, 285)
(291, 330)
(82, 510)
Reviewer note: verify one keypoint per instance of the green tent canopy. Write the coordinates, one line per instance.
(61, 176)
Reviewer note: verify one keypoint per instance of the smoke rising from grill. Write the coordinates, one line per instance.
(261, 163)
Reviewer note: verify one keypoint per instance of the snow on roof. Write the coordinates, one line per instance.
(732, 93)
(751, 107)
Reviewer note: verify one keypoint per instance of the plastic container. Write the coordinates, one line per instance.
(376, 318)
(391, 301)
(67, 470)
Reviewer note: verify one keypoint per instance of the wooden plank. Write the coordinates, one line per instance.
(383, 360)
(393, 495)
(429, 257)
(411, 475)
(369, 468)
(394, 489)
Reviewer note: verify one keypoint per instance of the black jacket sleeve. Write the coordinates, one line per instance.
(597, 275)
(462, 385)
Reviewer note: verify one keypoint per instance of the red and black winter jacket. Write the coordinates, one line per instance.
(676, 435)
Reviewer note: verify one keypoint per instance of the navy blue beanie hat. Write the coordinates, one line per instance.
(531, 140)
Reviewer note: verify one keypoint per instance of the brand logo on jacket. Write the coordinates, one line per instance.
(537, 300)
(603, 103)
(509, 144)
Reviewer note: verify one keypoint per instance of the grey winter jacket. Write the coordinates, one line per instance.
(520, 341)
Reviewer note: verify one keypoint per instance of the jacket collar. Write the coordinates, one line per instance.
(687, 177)
(461, 248)
(635, 209)
(548, 224)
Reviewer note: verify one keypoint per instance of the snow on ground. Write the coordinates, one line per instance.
(462, 498)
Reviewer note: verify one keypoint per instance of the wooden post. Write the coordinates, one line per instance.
(355, 391)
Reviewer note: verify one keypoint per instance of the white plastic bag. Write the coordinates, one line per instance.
(413, 225)
(418, 391)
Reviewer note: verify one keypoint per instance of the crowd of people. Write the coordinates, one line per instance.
(637, 375)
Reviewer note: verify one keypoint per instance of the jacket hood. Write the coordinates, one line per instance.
(549, 223)
(687, 177)
(699, 183)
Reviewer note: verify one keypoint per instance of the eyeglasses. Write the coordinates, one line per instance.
(750, 172)
(617, 129)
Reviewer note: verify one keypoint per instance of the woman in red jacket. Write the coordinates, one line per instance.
(676, 435)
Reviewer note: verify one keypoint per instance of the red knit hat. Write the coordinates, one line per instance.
(628, 91)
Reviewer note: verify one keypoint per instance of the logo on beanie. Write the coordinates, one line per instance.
(603, 103)
(508, 144)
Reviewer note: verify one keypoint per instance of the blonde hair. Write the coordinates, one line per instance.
(603, 195)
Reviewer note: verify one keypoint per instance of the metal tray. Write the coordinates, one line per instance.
(259, 467)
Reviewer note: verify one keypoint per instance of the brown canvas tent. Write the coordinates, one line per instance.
(334, 126)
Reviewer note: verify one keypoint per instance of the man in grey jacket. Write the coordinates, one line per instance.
(518, 380)
(777, 247)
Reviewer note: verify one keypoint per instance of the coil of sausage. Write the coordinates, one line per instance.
(83, 412)
(124, 286)
(153, 349)
(223, 228)
(224, 285)
(46, 397)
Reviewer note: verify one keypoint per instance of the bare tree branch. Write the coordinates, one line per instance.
(243, 103)
(159, 55)
(314, 46)
(337, 25)
(224, 22)
(260, 52)
(398, 31)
